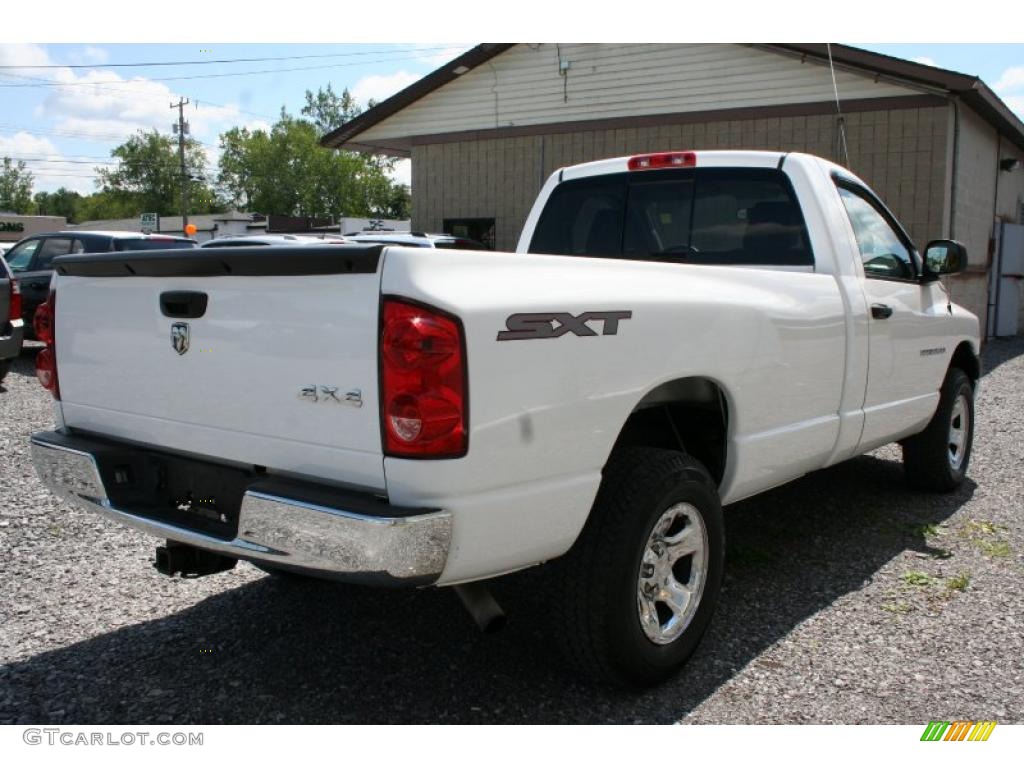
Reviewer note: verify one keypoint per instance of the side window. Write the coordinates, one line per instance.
(582, 218)
(20, 256)
(882, 250)
(77, 246)
(51, 248)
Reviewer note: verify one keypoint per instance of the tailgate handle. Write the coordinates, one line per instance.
(184, 304)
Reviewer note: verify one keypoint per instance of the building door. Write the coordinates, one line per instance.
(1004, 319)
(481, 230)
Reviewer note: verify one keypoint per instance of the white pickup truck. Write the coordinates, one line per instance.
(676, 331)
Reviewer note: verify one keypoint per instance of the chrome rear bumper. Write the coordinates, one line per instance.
(408, 547)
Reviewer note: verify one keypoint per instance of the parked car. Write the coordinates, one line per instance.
(236, 241)
(677, 331)
(11, 323)
(416, 240)
(30, 259)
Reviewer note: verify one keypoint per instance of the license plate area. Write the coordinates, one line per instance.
(185, 492)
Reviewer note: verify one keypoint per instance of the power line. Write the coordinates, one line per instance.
(94, 161)
(220, 61)
(111, 89)
(55, 84)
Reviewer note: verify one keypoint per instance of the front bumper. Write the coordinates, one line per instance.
(301, 527)
(11, 336)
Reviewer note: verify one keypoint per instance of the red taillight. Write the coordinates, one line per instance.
(662, 160)
(423, 382)
(45, 328)
(15, 301)
(42, 321)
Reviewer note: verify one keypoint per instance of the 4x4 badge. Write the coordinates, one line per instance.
(179, 337)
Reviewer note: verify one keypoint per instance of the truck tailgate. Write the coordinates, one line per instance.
(279, 370)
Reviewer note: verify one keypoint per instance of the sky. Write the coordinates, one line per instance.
(63, 108)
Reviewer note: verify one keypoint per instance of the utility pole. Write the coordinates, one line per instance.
(181, 129)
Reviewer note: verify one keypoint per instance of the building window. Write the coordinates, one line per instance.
(481, 230)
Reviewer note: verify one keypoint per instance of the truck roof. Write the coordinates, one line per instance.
(705, 158)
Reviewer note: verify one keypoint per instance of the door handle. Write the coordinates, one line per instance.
(881, 311)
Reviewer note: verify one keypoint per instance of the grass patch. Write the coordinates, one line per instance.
(985, 536)
(959, 582)
(925, 530)
(979, 528)
(998, 548)
(917, 579)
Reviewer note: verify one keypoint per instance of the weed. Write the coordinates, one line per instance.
(959, 582)
(917, 579)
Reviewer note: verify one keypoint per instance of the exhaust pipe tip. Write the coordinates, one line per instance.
(482, 607)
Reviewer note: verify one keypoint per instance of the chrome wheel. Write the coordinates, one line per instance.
(673, 570)
(959, 430)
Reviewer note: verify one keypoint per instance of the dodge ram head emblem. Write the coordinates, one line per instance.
(179, 337)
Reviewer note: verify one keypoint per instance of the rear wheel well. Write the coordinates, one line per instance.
(688, 414)
(965, 359)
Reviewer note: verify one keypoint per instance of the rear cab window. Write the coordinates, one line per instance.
(727, 216)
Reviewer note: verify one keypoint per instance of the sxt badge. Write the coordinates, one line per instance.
(551, 325)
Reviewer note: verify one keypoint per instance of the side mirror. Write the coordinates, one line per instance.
(945, 257)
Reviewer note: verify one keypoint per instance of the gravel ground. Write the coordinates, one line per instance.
(848, 599)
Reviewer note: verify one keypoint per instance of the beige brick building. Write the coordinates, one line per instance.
(486, 130)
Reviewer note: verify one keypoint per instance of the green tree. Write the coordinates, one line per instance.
(105, 205)
(284, 169)
(63, 202)
(147, 177)
(327, 110)
(15, 187)
(398, 203)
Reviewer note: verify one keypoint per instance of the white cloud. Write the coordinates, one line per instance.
(379, 87)
(98, 102)
(925, 60)
(1011, 80)
(402, 172)
(23, 54)
(47, 163)
(1016, 103)
(90, 54)
(1010, 88)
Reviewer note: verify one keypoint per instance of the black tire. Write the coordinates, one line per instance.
(926, 455)
(594, 601)
(5, 367)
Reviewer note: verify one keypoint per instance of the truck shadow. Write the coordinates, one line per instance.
(275, 650)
